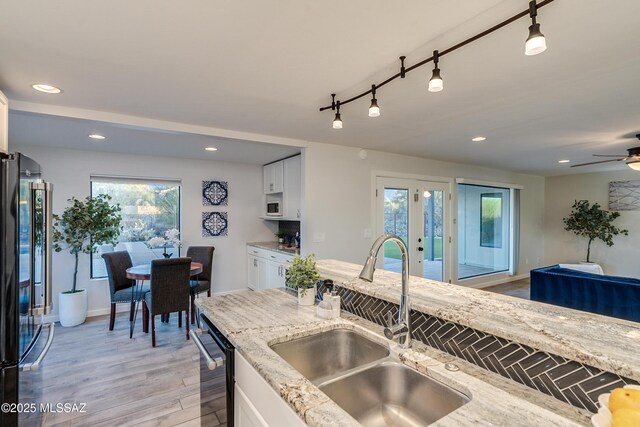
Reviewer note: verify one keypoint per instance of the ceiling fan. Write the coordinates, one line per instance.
(632, 159)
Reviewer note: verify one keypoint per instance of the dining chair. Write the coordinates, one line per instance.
(169, 292)
(201, 282)
(121, 288)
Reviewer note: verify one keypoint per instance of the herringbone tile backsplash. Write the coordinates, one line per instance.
(566, 380)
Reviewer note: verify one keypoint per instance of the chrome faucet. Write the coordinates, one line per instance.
(402, 329)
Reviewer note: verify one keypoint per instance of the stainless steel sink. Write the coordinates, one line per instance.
(391, 394)
(329, 353)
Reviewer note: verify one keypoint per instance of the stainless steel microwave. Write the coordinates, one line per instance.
(274, 209)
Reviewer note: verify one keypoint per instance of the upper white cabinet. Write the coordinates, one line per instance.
(292, 187)
(274, 177)
(4, 124)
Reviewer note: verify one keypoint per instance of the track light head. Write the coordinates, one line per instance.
(435, 82)
(634, 164)
(337, 121)
(536, 42)
(374, 109)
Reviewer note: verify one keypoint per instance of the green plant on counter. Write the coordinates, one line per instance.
(280, 235)
(303, 273)
(84, 226)
(590, 221)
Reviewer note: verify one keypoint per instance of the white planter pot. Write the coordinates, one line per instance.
(309, 297)
(72, 308)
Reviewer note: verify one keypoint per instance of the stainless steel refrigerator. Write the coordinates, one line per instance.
(25, 275)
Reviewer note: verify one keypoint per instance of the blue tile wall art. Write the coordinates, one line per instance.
(215, 193)
(215, 224)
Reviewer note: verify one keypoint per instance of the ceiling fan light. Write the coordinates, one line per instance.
(634, 164)
(374, 109)
(536, 43)
(435, 83)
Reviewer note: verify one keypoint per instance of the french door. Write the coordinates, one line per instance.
(418, 212)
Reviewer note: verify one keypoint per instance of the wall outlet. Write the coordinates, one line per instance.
(318, 237)
(368, 233)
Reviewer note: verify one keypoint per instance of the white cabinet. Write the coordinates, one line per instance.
(4, 124)
(266, 269)
(292, 187)
(256, 404)
(274, 177)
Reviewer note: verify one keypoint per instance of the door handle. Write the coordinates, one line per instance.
(212, 363)
(48, 291)
(34, 366)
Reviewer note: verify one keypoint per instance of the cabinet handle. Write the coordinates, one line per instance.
(271, 187)
(273, 257)
(255, 262)
(255, 252)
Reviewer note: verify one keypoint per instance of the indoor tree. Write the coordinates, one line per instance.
(84, 226)
(590, 221)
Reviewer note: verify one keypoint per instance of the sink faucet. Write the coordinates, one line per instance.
(402, 329)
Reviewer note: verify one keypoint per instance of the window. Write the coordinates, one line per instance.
(491, 220)
(484, 230)
(149, 209)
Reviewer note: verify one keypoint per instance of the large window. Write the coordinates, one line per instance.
(149, 209)
(484, 230)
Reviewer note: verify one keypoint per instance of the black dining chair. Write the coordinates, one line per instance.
(169, 292)
(120, 288)
(201, 282)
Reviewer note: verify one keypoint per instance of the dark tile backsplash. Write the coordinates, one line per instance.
(566, 380)
(290, 228)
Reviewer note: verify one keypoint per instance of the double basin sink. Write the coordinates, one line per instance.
(363, 379)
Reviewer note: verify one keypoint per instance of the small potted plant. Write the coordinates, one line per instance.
(82, 228)
(303, 275)
(590, 221)
(280, 235)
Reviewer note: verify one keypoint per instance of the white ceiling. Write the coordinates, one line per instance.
(65, 132)
(265, 67)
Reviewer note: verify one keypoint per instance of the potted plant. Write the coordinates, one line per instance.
(81, 228)
(303, 275)
(280, 235)
(590, 221)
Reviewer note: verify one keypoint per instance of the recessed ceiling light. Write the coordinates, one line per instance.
(211, 149)
(97, 136)
(479, 139)
(41, 87)
(564, 161)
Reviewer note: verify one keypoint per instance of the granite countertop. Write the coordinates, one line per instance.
(254, 320)
(275, 246)
(604, 342)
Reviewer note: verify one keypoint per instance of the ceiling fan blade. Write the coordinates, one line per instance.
(601, 161)
(608, 155)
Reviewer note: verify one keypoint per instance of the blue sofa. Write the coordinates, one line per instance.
(608, 295)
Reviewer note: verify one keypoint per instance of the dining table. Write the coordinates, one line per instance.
(140, 273)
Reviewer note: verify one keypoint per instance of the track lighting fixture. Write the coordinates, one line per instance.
(374, 110)
(534, 45)
(435, 83)
(536, 42)
(337, 121)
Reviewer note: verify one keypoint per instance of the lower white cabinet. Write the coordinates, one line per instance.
(256, 404)
(266, 269)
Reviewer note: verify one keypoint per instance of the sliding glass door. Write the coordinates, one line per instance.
(418, 212)
(484, 230)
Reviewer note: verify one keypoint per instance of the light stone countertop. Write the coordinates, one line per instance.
(254, 320)
(275, 246)
(604, 342)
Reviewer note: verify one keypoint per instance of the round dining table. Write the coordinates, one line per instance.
(140, 273)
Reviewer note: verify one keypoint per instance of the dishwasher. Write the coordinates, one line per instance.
(216, 352)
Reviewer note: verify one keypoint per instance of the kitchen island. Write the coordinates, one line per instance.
(253, 321)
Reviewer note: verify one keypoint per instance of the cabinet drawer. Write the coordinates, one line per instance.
(257, 252)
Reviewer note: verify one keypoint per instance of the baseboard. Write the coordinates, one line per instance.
(120, 308)
(500, 281)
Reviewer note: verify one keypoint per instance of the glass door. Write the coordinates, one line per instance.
(417, 211)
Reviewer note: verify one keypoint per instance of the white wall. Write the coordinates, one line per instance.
(339, 200)
(563, 246)
(70, 170)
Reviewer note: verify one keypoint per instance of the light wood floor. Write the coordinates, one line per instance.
(518, 289)
(124, 382)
